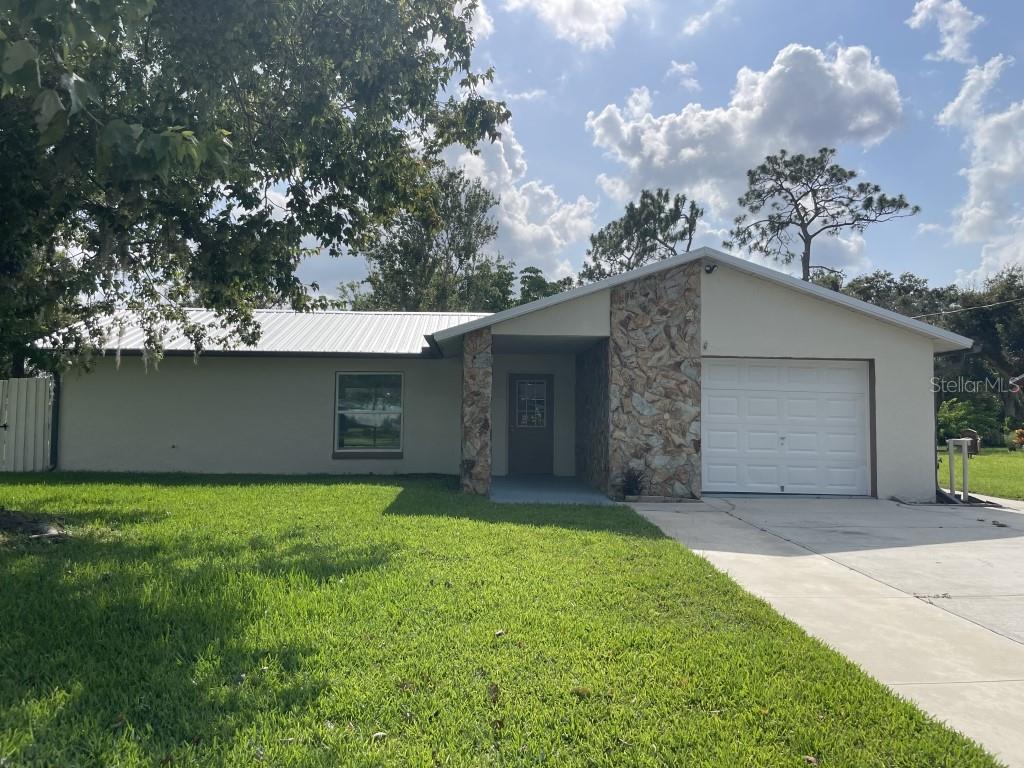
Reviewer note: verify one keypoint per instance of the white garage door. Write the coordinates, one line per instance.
(785, 426)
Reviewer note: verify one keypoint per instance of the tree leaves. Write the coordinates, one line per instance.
(432, 257)
(795, 198)
(17, 55)
(47, 105)
(152, 142)
(656, 227)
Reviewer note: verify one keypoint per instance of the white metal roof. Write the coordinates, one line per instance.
(316, 333)
(944, 340)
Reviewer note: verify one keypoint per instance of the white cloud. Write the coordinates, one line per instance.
(990, 213)
(699, 22)
(531, 94)
(535, 224)
(930, 228)
(685, 74)
(615, 187)
(807, 99)
(1004, 250)
(586, 23)
(966, 108)
(482, 25)
(955, 22)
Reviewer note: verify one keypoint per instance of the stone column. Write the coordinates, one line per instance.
(477, 379)
(654, 394)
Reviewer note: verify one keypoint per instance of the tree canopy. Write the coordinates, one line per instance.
(434, 256)
(163, 154)
(991, 313)
(793, 199)
(657, 226)
(534, 285)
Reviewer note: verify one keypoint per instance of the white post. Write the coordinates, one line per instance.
(952, 469)
(965, 445)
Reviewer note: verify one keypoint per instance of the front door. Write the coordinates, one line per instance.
(531, 434)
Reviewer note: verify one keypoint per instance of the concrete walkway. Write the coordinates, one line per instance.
(927, 599)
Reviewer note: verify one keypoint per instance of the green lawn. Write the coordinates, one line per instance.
(188, 622)
(996, 472)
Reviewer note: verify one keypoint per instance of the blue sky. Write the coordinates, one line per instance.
(611, 96)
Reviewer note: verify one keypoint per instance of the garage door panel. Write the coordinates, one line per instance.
(722, 405)
(844, 444)
(722, 475)
(803, 442)
(845, 481)
(759, 440)
(806, 409)
(721, 440)
(842, 379)
(785, 426)
(802, 378)
(761, 407)
(724, 376)
(844, 409)
(762, 376)
(766, 475)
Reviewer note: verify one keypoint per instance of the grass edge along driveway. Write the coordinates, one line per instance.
(996, 472)
(224, 621)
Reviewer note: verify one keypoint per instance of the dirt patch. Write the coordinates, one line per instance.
(34, 528)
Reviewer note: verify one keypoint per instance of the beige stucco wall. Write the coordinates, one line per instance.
(246, 414)
(563, 368)
(585, 316)
(745, 316)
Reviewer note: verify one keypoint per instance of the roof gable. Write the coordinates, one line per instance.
(944, 340)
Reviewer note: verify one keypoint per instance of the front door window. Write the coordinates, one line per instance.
(531, 403)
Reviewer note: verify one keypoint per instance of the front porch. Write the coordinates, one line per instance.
(586, 389)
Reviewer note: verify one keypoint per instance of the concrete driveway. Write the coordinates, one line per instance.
(927, 599)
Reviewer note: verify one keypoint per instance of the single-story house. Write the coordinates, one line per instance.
(708, 372)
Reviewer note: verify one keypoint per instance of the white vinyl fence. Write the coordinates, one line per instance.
(26, 416)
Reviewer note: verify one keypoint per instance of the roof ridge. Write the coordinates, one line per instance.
(315, 312)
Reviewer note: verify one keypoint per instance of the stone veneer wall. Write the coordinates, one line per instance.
(655, 381)
(477, 384)
(592, 415)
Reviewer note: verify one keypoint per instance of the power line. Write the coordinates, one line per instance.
(968, 309)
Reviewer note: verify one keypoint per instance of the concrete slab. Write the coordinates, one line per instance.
(928, 599)
(1001, 613)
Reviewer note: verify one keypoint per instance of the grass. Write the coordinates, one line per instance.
(996, 472)
(232, 621)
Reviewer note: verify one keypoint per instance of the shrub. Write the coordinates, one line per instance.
(980, 414)
(634, 481)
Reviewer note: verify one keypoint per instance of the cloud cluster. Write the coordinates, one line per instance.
(685, 74)
(536, 224)
(955, 23)
(586, 23)
(990, 212)
(807, 99)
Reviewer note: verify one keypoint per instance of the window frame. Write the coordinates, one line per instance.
(515, 402)
(367, 453)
